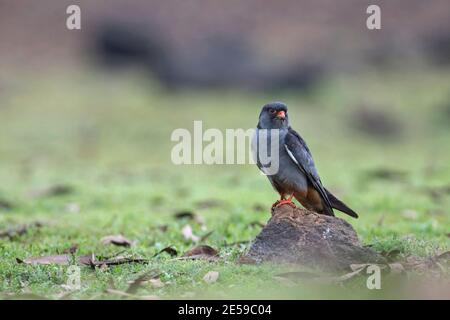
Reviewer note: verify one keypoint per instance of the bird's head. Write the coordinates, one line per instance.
(273, 116)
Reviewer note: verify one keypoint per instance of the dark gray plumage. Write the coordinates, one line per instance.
(296, 175)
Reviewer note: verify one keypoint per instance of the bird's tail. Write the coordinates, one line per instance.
(339, 205)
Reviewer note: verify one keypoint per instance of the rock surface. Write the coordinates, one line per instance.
(306, 238)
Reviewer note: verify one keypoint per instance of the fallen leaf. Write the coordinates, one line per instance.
(201, 252)
(89, 260)
(116, 261)
(188, 234)
(56, 259)
(184, 215)
(188, 215)
(118, 240)
(62, 259)
(211, 277)
(171, 251)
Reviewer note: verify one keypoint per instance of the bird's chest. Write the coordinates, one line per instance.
(288, 176)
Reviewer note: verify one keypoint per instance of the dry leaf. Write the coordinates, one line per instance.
(201, 252)
(57, 259)
(118, 240)
(211, 277)
(171, 251)
(116, 261)
(188, 234)
(62, 259)
(188, 215)
(184, 215)
(89, 259)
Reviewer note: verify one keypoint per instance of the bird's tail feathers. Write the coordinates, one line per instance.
(339, 205)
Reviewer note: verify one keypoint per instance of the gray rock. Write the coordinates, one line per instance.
(306, 238)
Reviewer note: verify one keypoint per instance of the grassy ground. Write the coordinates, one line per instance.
(107, 138)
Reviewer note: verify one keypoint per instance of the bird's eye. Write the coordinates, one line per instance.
(272, 111)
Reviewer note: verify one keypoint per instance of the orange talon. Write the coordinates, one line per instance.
(281, 202)
(286, 201)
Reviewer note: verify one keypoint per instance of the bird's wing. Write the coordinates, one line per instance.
(299, 153)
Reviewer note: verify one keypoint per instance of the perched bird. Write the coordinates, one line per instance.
(296, 175)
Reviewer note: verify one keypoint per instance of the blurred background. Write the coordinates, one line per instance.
(86, 115)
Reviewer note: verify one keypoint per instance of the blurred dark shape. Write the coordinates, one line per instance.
(387, 174)
(375, 122)
(222, 60)
(437, 46)
(52, 191)
(437, 193)
(119, 44)
(6, 205)
(446, 110)
(301, 76)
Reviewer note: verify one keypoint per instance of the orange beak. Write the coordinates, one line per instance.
(281, 115)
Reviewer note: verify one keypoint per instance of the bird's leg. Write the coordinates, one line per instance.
(284, 201)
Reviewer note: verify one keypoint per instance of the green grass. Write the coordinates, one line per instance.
(108, 137)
